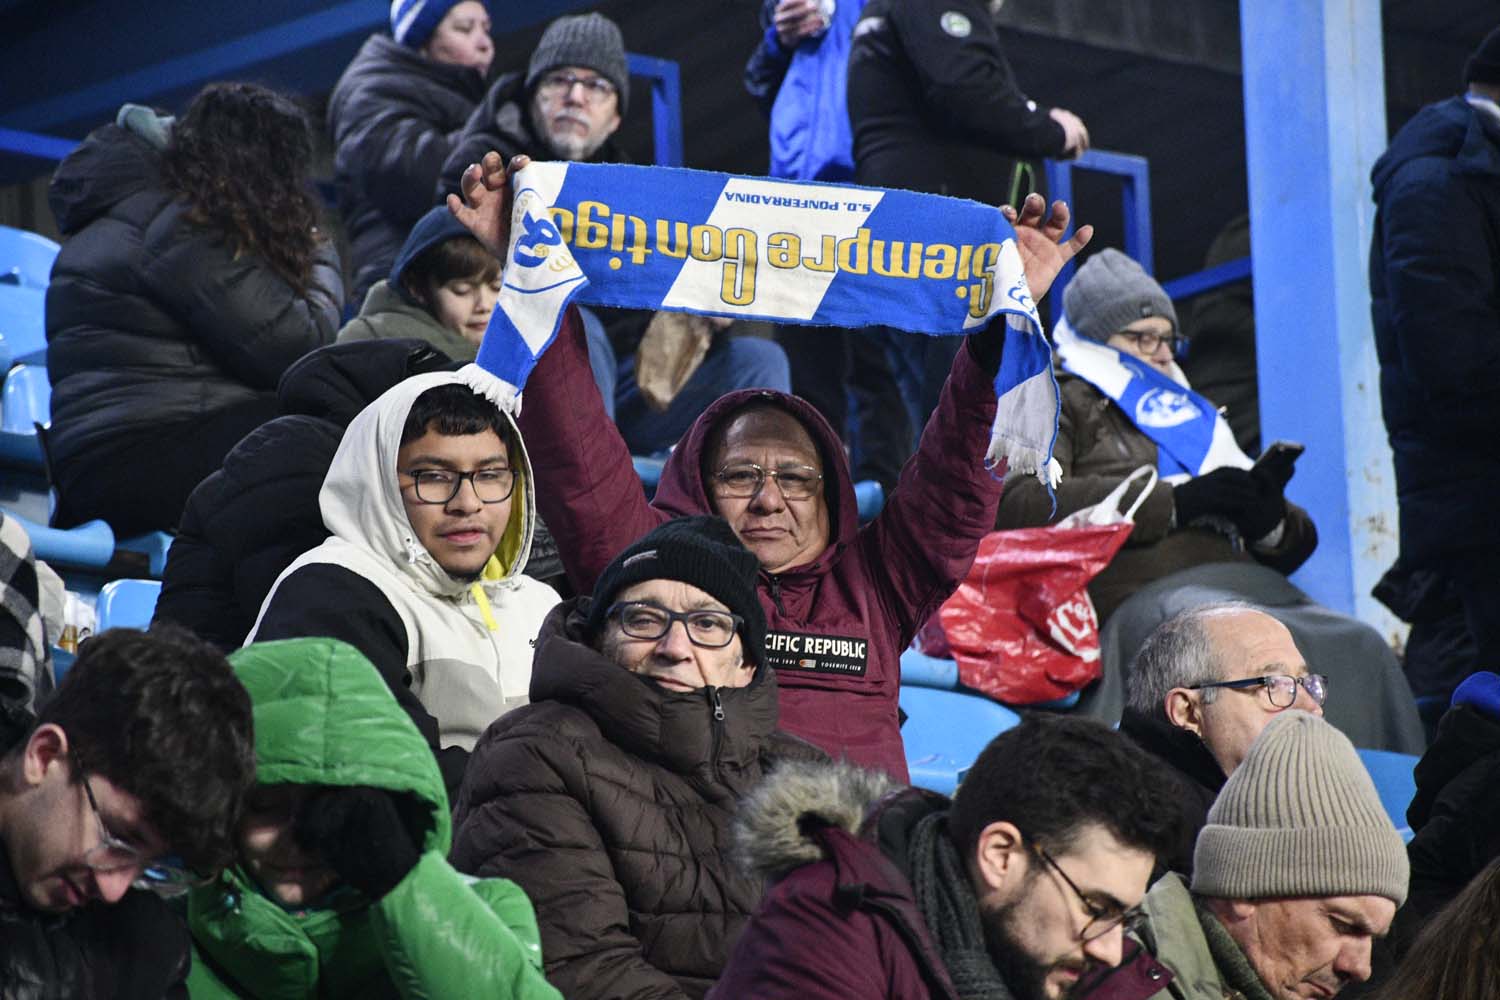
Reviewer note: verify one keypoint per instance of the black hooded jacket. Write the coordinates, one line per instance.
(153, 322)
(395, 115)
(245, 523)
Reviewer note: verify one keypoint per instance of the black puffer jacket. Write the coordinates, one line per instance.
(609, 800)
(153, 322)
(394, 115)
(502, 122)
(245, 523)
(136, 948)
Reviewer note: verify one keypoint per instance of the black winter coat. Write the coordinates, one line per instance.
(502, 122)
(245, 523)
(609, 800)
(136, 948)
(924, 74)
(394, 115)
(1456, 816)
(1435, 300)
(153, 322)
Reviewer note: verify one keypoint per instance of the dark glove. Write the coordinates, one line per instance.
(362, 835)
(1252, 504)
(987, 345)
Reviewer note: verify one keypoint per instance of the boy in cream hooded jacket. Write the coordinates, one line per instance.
(430, 590)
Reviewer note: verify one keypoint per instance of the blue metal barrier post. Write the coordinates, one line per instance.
(666, 106)
(1314, 125)
(1135, 202)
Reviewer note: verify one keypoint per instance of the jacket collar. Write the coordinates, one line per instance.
(675, 729)
(1178, 747)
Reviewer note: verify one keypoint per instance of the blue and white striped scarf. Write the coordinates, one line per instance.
(781, 251)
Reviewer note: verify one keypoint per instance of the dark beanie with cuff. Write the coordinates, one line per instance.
(1484, 65)
(701, 550)
(1110, 292)
(590, 41)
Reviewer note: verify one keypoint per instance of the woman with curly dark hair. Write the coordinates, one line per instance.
(192, 276)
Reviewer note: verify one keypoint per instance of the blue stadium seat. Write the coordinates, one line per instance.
(25, 400)
(153, 546)
(869, 496)
(1394, 780)
(127, 603)
(23, 322)
(920, 670)
(26, 258)
(648, 468)
(89, 545)
(5, 358)
(945, 731)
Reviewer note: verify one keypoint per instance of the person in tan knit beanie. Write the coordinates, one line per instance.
(1296, 872)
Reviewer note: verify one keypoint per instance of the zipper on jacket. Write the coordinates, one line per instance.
(776, 591)
(718, 727)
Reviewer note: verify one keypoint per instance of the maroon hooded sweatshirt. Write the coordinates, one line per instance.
(836, 626)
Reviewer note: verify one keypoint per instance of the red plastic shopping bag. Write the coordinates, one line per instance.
(1022, 626)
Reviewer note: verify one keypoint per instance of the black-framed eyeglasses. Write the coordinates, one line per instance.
(112, 854)
(595, 88)
(1102, 919)
(709, 629)
(1280, 688)
(1147, 342)
(796, 482)
(437, 486)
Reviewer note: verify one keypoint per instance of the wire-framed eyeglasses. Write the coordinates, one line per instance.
(1280, 688)
(439, 486)
(706, 628)
(112, 854)
(1102, 919)
(796, 482)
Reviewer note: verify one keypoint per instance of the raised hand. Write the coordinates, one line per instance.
(485, 206)
(1040, 241)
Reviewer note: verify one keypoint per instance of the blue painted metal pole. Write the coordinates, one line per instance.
(1314, 124)
(666, 106)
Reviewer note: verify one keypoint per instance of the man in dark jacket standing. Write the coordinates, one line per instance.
(1435, 290)
(144, 752)
(609, 797)
(928, 85)
(1019, 889)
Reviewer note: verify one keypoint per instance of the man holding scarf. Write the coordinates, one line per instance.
(1126, 403)
(842, 601)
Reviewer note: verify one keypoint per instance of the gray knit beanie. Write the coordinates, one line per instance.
(1300, 817)
(592, 41)
(1110, 292)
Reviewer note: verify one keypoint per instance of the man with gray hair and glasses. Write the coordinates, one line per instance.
(1201, 689)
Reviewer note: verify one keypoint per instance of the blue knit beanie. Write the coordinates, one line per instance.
(414, 21)
(437, 226)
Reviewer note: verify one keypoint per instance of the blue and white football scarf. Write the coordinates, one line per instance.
(782, 251)
(1191, 437)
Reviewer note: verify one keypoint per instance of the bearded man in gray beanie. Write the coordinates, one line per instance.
(1124, 332)
(1296, 873)
(609, 797)
(567, 105)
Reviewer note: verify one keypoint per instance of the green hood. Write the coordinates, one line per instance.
(324, 716)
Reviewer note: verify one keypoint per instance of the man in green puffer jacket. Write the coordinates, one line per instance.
(330, 895)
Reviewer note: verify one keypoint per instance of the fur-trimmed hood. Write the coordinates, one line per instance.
(773, 832)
